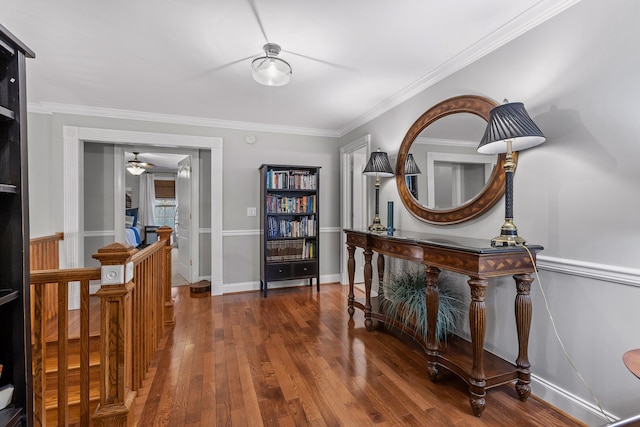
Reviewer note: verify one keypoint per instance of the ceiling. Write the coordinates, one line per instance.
(189, 60)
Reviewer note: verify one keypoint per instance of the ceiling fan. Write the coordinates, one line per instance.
(137, 167)
(268, 68)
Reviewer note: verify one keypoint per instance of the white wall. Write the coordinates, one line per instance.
(578, 195)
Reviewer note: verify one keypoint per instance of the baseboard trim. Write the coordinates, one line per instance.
(257, 232)
(230, 288)
(569, 403)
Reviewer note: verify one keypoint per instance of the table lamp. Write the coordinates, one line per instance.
(378, 166)
(411, 172)
(509, 129)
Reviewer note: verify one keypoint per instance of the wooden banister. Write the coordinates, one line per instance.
(164, 234)
(135, 306)
(59, 279)
(116, 395)
(44, 254)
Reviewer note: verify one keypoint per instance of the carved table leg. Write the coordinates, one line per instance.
(368, 323)
(433, 302)
(477, 320)
(380, 276)
(523, 325)
(351, 270)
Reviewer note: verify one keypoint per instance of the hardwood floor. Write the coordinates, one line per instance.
(295, 359)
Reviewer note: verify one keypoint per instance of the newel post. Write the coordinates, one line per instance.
(164, 234)
(116, 396)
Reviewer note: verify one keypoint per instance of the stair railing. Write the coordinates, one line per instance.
(135, 306)
(60, 279)
(44, 254)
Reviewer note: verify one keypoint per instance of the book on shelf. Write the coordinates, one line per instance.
(290, 250)
(291, 179)
(277, 203)
(304, 226)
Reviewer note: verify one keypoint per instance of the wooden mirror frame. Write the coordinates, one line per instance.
(491, 193)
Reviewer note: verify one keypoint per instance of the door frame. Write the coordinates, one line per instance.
(73, 170)
(346, 196)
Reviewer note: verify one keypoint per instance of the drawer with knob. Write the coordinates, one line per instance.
(301, 269)
(278, 271)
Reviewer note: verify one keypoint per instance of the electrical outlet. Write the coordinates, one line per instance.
(251, 211)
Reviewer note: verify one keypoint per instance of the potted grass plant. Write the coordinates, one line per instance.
(405, 301)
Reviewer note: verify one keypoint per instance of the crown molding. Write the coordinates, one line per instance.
(82, 110)
(532, 17)
(524, 22)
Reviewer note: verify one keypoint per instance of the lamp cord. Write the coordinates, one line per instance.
(555, 330)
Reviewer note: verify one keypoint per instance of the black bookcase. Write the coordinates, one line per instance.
(290, 223)
(15, 330)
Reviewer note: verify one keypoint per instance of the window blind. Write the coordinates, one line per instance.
(165, 189)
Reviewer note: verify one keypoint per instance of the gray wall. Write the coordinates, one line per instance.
(98, 199)
(577, 195)
(240, 187)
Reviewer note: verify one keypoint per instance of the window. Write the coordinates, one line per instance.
(165, 210)
(165, 206)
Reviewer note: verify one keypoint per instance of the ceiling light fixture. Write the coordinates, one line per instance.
(135, 170)
(136, 167)
(269, 70)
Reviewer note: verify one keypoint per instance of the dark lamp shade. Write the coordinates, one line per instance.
(510, 121)
(378, 165)
(410, 166)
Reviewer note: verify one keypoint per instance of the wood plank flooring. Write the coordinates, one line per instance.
(295, 359)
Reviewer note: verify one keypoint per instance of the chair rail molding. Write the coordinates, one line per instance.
(591, 270)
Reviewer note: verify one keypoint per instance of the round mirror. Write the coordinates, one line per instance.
(441, 177)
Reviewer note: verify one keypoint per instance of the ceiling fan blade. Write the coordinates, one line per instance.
(229, 64)
(141, 164)
(331, 64)
(208, 71)
(137, 162)
(254, 8)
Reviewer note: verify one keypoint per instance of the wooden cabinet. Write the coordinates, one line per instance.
(289, 219)
(15, 330)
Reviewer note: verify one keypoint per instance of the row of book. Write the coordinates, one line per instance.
(290, 250)
(282, 204)
(291, 180)
(298, 227)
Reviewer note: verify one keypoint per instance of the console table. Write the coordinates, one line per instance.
(478, 260)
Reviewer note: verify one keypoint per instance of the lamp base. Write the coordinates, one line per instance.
(377, 226)
(508, 235)
(503, 240)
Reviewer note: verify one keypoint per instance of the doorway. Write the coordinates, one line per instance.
(355, 212)
(73, 141)
(165, 194)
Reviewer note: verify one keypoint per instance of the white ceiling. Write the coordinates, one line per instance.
(351, 59)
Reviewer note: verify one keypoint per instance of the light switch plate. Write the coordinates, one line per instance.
(251, 211)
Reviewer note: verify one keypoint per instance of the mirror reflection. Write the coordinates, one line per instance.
(453, 185)
(443, 170)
